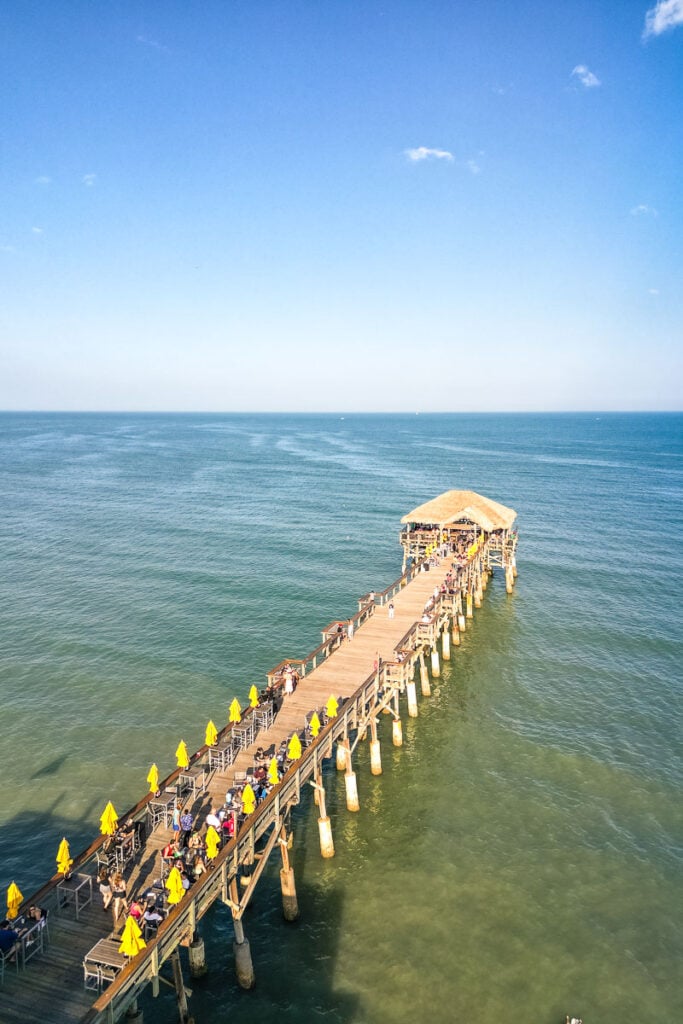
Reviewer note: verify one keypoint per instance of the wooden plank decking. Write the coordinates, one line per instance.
(50, 990)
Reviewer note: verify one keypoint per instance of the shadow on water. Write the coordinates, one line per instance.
(33, 863)
(294, 963)
(50, 768)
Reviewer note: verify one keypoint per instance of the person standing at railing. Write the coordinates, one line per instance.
(391, 609)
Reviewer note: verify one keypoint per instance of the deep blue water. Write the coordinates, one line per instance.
(521, 855)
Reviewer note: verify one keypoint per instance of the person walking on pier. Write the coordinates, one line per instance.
(105, 887)
(186, 822)
(391, 609)
(118, 887)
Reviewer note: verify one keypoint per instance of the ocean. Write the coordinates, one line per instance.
(520, 856)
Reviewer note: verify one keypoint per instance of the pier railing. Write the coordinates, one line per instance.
(238, 852)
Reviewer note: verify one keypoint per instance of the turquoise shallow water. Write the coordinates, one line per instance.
(521, 855)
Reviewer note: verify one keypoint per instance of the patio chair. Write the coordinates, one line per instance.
(107, 975)
(91, 976)
(6, 958)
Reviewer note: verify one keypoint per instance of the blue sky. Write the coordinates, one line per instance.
(246, 205)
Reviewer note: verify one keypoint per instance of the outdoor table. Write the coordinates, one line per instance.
(105, 953)
(263, 716)
(160, 811)
(243, 734)
(124, 851)
(192, 779)
(76, 890)
(32, 939)
(221, 756)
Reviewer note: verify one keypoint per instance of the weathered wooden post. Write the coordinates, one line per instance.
(243, 965)
(509, 579)
(436, 668)
(197, 956)
(181, 994)
(397, 732)
(324, 824)
(411, 694)
(290, 906)
(470, 613)
(352, 802)
(375, 751)
(455, 632)
(341, 755)
(446, 643)
(424, 677)
(134, 1013)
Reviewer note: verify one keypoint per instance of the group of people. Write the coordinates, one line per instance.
(11, 932)
(114, 894)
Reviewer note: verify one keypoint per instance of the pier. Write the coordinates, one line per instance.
(353, 688)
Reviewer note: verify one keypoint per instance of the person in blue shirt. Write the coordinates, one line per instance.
(8, 936)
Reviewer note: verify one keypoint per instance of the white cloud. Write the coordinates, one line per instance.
(37, 231)
(665, 15)
(473, 167)
(653, 291)
(643, 210)
(43, 180)
(89, 180)
(423, 153)
(586, 77)
(154, 43)
(7, 248)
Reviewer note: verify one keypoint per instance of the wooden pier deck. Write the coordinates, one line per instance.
(50, 990)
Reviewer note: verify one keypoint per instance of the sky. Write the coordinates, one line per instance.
(358, 205)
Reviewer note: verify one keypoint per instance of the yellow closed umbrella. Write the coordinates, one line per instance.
(253, 697)
(248, 800)
(211, 734)
(109, 820)
(332, 707)
(131, 938)
(212, 842)
(294, 747)
(273, 774)
(153, 779)
(314, 724)
(235, 711)
(182, 758)
(174, 884)
(14, 900)
(64, 858)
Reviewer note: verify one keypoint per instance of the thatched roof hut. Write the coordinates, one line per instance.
(462, 507)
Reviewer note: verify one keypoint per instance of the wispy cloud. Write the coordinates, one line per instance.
(89, 180)
(37, 231)
(423, 153)
(586, 77)
(154, 43)
(665, 15)
(43, 180)
(473, 167)
(643, 210)
(653, 291)
(7, 248)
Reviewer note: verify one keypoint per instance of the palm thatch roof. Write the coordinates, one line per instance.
(456, 506)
